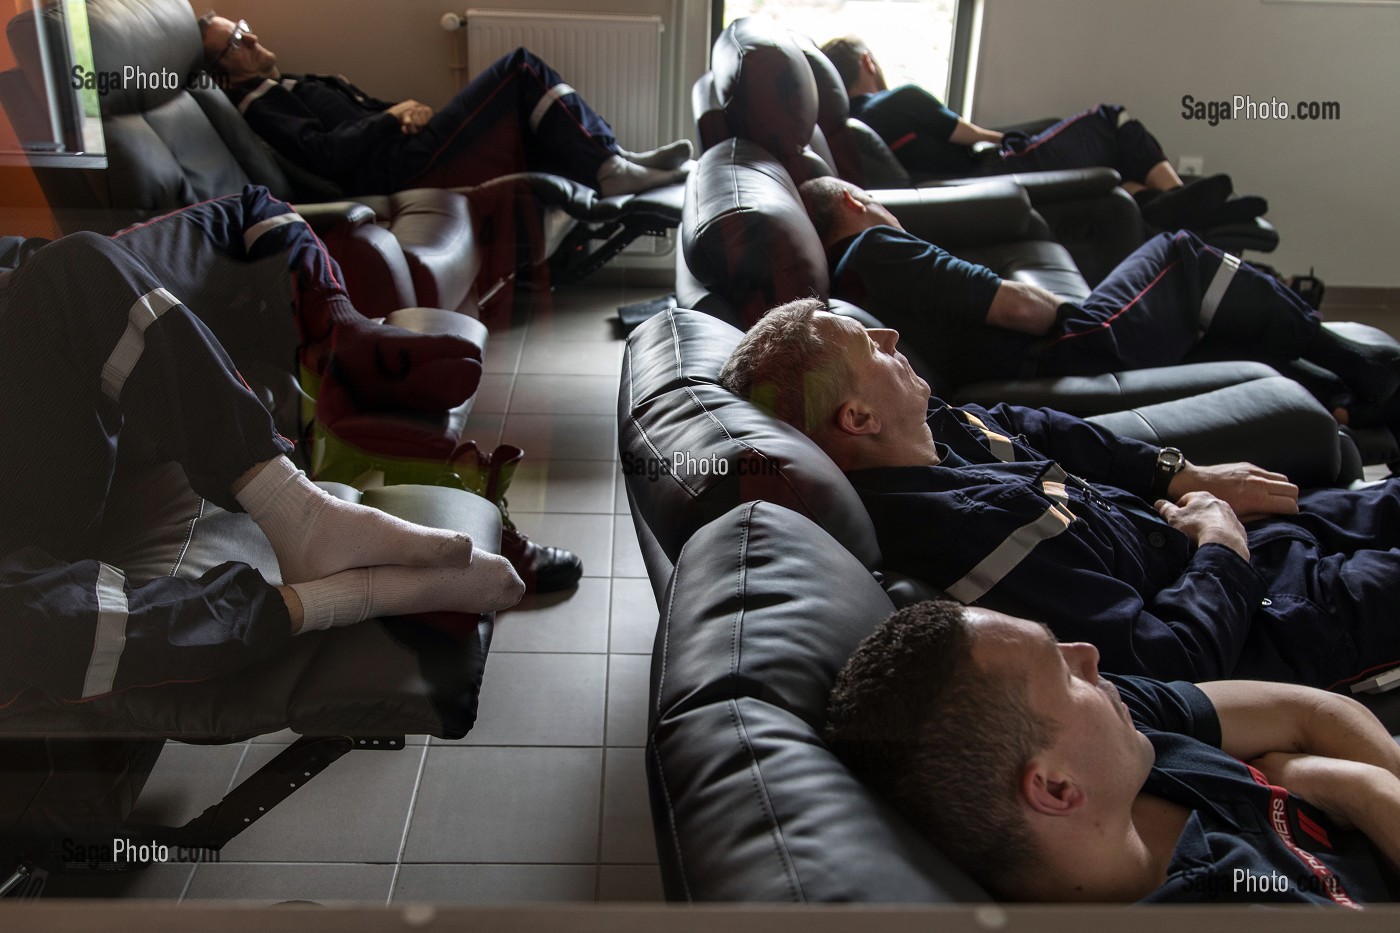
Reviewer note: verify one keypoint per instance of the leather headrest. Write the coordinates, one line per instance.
(731, 452)
(746, 235)
(833, 104)
(765, 86)
(762, 611)
(158, 38)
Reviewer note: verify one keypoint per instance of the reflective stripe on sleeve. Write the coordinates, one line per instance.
(110, 640)
(133, 341)
(993, 568)
(547, 101)
(267, 85)
(251, 235)
(1001, 445)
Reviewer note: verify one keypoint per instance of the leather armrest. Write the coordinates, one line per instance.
(1049, 187)
(987, 212)
(327, 215)
(1272, 422)
(1112, 392)
(438, 321)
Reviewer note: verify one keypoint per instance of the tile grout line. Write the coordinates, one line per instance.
(603, 784)
(407, 823)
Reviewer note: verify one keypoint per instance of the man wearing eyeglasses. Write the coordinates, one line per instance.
(517, 115)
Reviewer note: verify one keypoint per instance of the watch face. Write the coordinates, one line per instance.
(1170, 460)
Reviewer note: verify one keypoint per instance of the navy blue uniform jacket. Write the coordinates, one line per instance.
(1085, 553)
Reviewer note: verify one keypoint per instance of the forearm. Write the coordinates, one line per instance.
(1258, 718)
(1377, 811)
(1350, 793)
(965, 134)
(1023, 308)
(1337, 726)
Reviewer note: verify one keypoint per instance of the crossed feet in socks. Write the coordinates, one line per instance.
(345, 562)
(633, 172)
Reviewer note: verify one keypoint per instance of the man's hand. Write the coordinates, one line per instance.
(1206, 519)
(1252, 491)
(412, 116)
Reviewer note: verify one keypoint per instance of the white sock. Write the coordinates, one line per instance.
(619, 176)
(351, 596)
(672, 155)
(314, 534)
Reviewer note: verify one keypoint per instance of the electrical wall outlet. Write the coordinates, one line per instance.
(1191, 165)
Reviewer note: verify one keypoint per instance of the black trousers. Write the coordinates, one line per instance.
(96, 356)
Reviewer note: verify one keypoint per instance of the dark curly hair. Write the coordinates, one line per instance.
(943, 738)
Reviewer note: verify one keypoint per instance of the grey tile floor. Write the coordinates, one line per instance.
(545, 800)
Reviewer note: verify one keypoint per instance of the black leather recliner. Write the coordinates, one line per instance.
(74, 770)
(171, 147)
(747, 803)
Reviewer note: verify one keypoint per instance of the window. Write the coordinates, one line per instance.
(48, 120)
(916, 41)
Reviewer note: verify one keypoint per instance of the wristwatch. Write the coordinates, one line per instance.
(1170, 461)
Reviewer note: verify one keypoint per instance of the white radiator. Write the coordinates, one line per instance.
(613, 60)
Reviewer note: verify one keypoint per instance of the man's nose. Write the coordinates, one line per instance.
(1083, 659)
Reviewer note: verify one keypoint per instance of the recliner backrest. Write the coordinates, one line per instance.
(748, 803)
(745, 233)
(856, 152)
(169, 146)
(763, 86)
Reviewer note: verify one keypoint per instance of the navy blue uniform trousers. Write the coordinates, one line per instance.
(1174, 296)
(916, 126)
(516, 115)
(1174, 292)
(100, 359)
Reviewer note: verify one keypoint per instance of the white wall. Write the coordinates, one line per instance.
(1334, 187)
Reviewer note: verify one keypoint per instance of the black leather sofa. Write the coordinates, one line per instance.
(767, 574)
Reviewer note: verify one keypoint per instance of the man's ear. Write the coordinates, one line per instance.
(856, 419)
(867, 64)
(1049, 791)
(850, 203)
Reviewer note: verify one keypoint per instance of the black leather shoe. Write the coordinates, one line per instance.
(545, 569)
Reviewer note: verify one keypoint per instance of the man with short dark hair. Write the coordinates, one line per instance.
(515, 116)
(930, 139)
(1172, 294)
(1038, 513)
(1047, 781)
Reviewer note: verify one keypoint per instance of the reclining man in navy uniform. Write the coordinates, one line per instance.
(1174, 296)
(517, 115)
(1040, 514)
(101, 359)
(930, 139)
(1048, 781)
